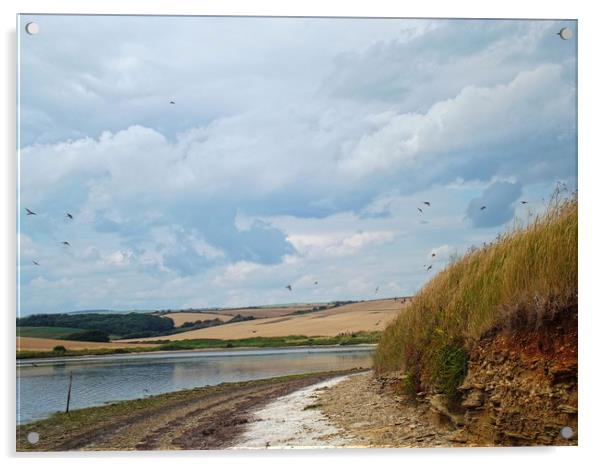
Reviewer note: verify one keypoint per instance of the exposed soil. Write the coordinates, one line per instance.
(206, 418)
(521, 387)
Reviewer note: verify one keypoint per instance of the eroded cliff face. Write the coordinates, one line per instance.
(521, 386)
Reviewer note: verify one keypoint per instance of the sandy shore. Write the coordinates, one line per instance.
(353, 411)
(294, 421)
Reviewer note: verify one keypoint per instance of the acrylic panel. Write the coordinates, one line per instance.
(265, 232)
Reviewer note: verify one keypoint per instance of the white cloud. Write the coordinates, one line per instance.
(318, 246)
(475, 118)
(264, 175)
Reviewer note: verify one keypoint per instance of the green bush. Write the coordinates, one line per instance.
(89, 335)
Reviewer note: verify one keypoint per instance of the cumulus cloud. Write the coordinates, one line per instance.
(339, 245)
(476, 118)
(283, 160)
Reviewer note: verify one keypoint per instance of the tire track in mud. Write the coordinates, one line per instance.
(211, 420)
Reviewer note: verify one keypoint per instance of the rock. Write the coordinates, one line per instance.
(438, 404)
(458, 437)
(475, 399)
(562, 373)
(518, 436)
(467, 385)
(496, 400)
(567, 409)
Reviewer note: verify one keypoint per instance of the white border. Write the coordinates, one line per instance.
(589, 242)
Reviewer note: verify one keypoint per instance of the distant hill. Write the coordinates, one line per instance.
(108, 311)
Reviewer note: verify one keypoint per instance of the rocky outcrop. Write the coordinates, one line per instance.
(521, 386)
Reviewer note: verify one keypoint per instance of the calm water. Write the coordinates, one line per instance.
(42, 390)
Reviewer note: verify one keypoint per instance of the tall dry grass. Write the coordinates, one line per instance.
(530, 270)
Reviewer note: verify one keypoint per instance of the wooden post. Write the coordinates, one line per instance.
(69, 391)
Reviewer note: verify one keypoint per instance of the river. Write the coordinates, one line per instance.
(42, 384)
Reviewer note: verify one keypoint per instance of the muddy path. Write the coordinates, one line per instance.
(204, 418)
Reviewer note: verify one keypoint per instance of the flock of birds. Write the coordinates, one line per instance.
(67, 215)
(65, 243)
(428, 267)
(289, 287)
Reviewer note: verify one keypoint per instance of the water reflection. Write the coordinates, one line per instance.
(42, 389)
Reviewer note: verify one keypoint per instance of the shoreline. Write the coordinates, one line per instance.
(250, 350)
(288, 341)
(211, 417)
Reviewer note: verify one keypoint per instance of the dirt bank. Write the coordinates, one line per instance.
(521, 387)
(203, 418)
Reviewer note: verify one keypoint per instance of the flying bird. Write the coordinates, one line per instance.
(69, 216)
(172, 102)
(483, 207)
(376, 290)
(426, 203)
(419, 209)
(433, 255)
(36, 263)
(30, 212)
(289, 287)
(429, 268)
(315, 283)
(523, 202)
(66, 243)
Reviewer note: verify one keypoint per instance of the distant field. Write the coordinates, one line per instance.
(367, 316)
(47, 344)
(179, 318)
(47, 332)
(267, 311)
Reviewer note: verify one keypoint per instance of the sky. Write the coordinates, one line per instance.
(298, 151)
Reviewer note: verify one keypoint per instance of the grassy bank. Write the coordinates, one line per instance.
(524, 275)
(343, 339)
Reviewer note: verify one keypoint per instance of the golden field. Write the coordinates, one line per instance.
(261, 312)
(47, 344)
(180, 318)
(364, 316)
